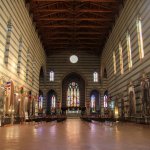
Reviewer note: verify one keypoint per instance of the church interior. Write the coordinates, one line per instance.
(74, 74)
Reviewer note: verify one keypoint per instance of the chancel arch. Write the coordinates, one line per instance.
(73, 91)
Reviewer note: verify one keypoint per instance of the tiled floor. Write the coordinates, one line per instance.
(75, 134)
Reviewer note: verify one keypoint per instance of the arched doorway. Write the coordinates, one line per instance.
(51, 102)
(73, 91)
(95, 101)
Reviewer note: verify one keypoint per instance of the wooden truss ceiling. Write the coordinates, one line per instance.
(74, 25)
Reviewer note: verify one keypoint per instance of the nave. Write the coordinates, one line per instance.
(74, 74)
(75, 134)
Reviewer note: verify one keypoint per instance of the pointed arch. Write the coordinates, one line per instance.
(51, 101)
(77, 91)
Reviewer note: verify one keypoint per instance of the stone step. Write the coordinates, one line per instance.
(73, 116)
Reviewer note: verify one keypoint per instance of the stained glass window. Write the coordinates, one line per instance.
(73, 96)
(51, 76)
(114, 61)
(40, 102)
(28, 65)
(19, 55)
(140, 38)
(93, 100)
(129, 51)
(53, 101)
(121, 58)
(105, 101)
(8, 39)
(95, 77)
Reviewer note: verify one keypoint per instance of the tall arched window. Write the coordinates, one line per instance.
(140, 38)
(121, 59)
(33, 71)
(95, 77)
(114, 61)
(53, 102)
(106, 99)
(40, 102)
(93, 103)
(19, 55)
(51, 74)
(129, 51)
(28, 65)
(8, 37)
(73, 96)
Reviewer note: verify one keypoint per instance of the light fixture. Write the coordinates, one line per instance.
(73, 59)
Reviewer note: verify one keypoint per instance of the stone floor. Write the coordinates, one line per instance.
(75, 134)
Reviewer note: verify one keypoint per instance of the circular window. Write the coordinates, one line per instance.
(73, 59)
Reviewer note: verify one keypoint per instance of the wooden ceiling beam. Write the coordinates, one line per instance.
(77, 19)
(69, 11)
(77, 47)
(69, 48)
(75, 16)
(70, 26)
(86, 40)
(96, 37)
(100, 1)
(81, 24)
(70, 33)
(73, 25)
(48, 31)
(70, 44)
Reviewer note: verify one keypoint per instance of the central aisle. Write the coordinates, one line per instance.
(74, 134)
